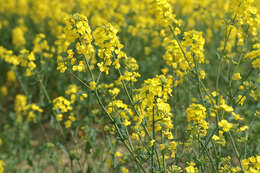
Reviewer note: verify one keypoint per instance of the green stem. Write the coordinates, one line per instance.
(118, 131)
(45, 91)
(163, 155)
(110, 118)
(153, 140)
(136, 112)
(236, 151)
(208, 154)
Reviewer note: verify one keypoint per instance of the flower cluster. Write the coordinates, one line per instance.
(152, 98)
(41, 46)
(109, 47)
(75, 93)
(163, 12)
(183, 56)
(18, 37)
(255, 57)
(196, 114)
(77, 32)
(62, 106)
(120, 109)
(22, 108)
(252, 164)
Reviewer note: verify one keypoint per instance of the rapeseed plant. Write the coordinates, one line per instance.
(129, 86)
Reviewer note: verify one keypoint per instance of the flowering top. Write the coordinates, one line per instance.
(109, 47)
(21, 107)
(77, 32)
(153, 96)
(196, 114)
(163, 12)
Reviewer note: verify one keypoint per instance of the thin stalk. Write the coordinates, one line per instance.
(118, 131)
(208, 154)
(236, 151)
(45, 91)
(132, 103)
(77, 146)
(209, 139)
(162, 152)
(190, 66)
(153, 140)
(146, 147)
(216, 154)
(198, 78)
(223, 53)
(110, 118)
(129, 139)
(24, 88)
(136, 112)
(71, 165)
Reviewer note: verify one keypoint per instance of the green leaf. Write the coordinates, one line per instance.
(63, 149)
(87, 147)
(89, 170)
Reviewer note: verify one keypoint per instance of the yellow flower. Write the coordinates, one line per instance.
(92, 85)
(4, 90)
(114, 92)
(1, 166)
(226, 108)
(241, 99)
(236, 76)
(165, 71)
(162, 146)
(107, 41)
(220, 132)
(135, 136)
(237, 116)
(59, 117)
(20, 102)
(215, 137)
(147, 50)
(127, 123)
(196, 114)
(67, 124)
(258, 79)
(213, 114)
(83, 96)
(71, 89)
(191, 168)
(61, 104)
(243, 128)
(118, 154)
(256, 63)
(172, 147)
(151, 142)
(31, 116)
(11, 77)
(225, 125)
(18, 37)
(245, 164)
(124, 170)
(72, 118)
(214, 93)
(202, 74)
